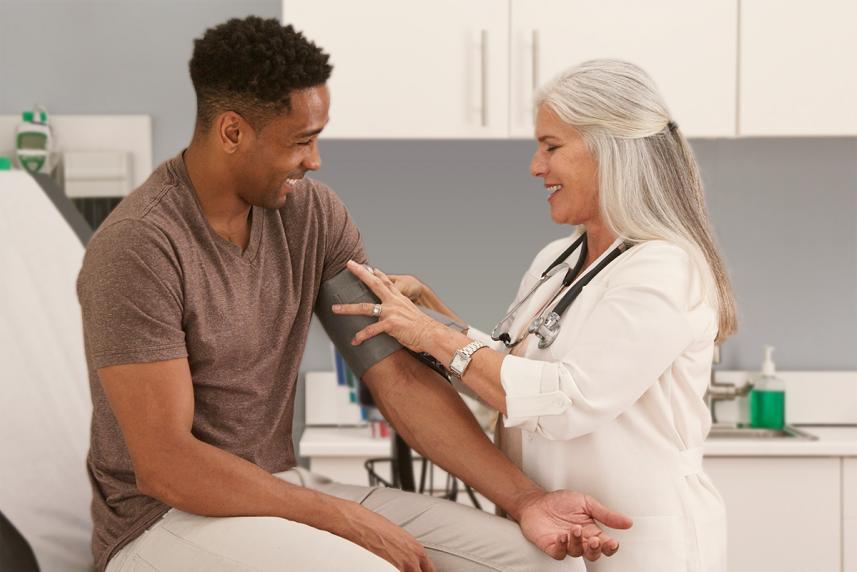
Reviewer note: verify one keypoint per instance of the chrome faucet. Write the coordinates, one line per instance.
(718, 391)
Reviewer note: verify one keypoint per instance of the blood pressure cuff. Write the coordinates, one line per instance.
(345, 288)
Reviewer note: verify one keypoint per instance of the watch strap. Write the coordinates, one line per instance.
(461, 358)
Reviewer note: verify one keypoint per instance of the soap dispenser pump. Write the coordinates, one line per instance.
(768, 397)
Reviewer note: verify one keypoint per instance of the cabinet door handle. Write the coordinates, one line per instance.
(535, 60)
(484, 78)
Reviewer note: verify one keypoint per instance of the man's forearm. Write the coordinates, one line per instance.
(201, 479)
(432, 418)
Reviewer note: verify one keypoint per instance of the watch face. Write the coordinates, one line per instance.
(457, 364)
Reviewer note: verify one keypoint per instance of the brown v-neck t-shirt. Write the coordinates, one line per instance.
(159, 283)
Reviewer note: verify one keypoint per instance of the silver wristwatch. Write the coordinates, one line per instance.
(461, 358)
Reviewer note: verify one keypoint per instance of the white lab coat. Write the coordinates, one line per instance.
(615, 407)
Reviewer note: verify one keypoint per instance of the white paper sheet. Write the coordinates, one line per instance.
(44, 393)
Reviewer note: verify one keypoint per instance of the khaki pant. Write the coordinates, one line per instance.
(456, 537)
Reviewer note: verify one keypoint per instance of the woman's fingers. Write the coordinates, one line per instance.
(393, 286)
(409, 286)
(373, 282)
(368, 332)
(361, 309)
(399, 317)
(385, 280)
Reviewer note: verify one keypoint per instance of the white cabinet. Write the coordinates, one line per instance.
(434, 69)
(689, 48)
(798, 71)
(784, 514)
(447, 69)
(849, 515)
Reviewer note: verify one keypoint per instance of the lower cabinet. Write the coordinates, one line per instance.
(849, 515)
(784, 513)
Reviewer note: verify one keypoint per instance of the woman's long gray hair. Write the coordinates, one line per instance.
(649, 183)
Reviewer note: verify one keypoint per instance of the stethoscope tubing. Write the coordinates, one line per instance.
(546, 325)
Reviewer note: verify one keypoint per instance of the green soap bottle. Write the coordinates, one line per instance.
(768, 397)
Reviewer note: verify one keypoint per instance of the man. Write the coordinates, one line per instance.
(197, 293)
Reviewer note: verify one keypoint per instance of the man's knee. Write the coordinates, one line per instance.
(460, 537)
(251, 543)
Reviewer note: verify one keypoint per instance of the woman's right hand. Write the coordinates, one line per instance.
(408, 285)
(392, 543)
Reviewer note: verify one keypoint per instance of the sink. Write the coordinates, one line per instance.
(740, 431)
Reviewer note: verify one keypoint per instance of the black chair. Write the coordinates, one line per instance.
(15, 552)
(401, 463)
(402, 459)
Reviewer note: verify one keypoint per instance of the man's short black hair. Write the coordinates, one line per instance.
(250, 66)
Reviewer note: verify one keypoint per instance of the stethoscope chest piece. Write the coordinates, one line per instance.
(546, 329)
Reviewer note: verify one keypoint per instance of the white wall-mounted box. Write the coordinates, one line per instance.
(327, 402)
(97, 173)
(131, 134)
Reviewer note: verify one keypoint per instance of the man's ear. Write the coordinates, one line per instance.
(233, 130)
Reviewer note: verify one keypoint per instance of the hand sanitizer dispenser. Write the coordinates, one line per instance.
(34, 141)
(768, 397)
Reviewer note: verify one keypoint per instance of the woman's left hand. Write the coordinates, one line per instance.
(408, 285)
(399, 316)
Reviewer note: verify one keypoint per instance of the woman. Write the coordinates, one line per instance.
(615, 404)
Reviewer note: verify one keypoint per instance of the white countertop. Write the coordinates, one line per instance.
(342, 442)
(831, 442)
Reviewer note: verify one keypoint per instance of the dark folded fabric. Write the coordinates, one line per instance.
(15, 551)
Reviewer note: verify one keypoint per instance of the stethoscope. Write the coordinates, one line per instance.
(546, 325)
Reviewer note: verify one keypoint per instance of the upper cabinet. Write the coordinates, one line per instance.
(452, 69)
(689, 49)
(412, 69)
(798, 73)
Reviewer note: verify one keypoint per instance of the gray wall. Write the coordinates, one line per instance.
(110, 57)
(464, 215)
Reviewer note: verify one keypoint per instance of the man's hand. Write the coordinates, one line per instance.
(564, 523)
(392, 543)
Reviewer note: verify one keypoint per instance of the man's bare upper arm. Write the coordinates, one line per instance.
(153, 403)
